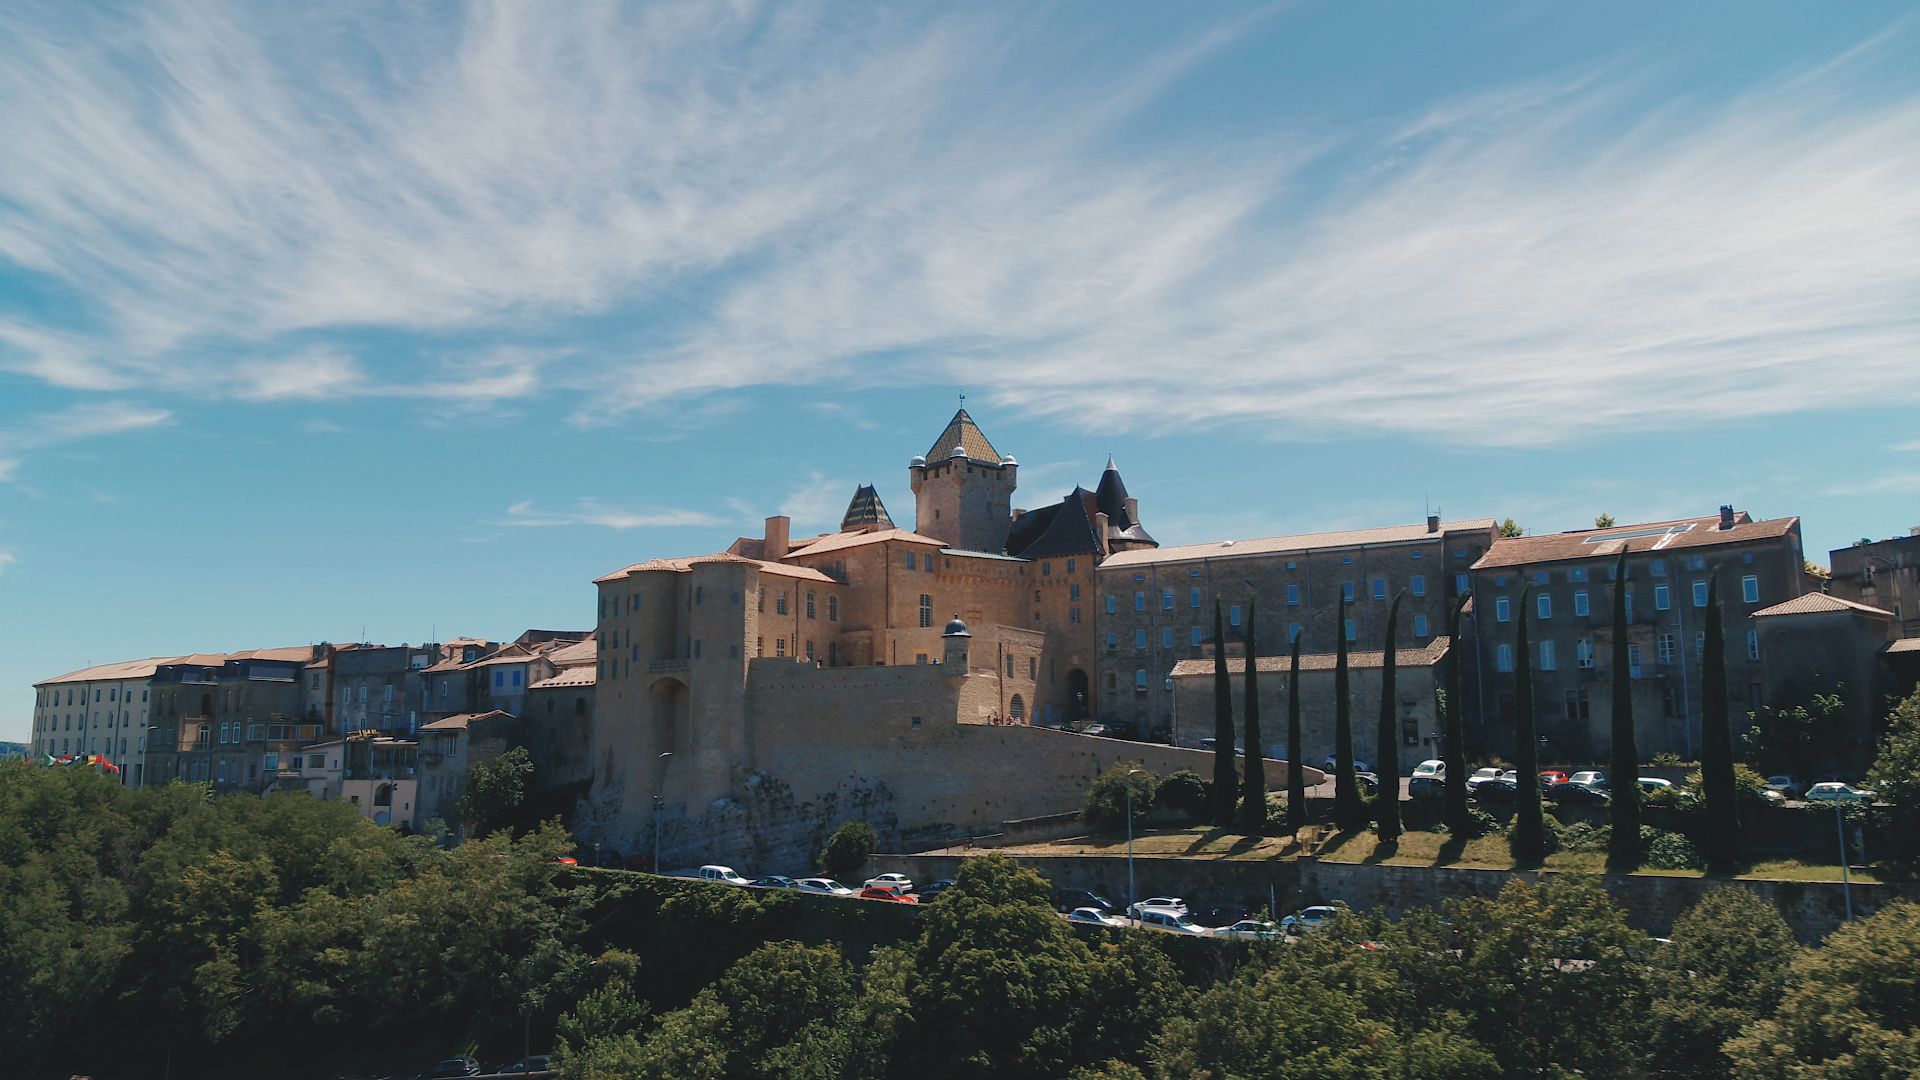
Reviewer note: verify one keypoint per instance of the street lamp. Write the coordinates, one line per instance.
(659, 804)
(1846, 886)
(1126, 785)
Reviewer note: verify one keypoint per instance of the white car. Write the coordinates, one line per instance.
(823, 885)
(1309, 919)
(1167, 903)
(1093, 916)
(723, 874)
(1251, 930)
(1436, 769)
(1785, 785)
(1358, 765)
(1651, 784)
(1481, 776)
(1833, 791)
(899, 883)
(1173, 922)
(1589, 778)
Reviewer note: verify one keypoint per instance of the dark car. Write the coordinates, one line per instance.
(933, 889)
(1068, 899)
(1426, 787)
(1571, 794)
(534, 1064)
(1496, 791)
(456, 1066)
(1225, 915)
(774, 882)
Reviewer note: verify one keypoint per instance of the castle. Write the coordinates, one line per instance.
(915, 678)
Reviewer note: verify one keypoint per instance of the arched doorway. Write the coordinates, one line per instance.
(1079, 696)
(1017, 710)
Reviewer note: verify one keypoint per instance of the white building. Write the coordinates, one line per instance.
(98, 710)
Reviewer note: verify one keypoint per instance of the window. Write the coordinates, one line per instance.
(1113, 640)
(1461, 584)
(1113, 681)
(1750, 589)
(1351, 630)
(1196, 637)
(699, 594)
(1503, 658)
(1578, 573)
(1580, 605)
(780, 646)
(1139, 601)
(833, 609)
(1583, 652)
(911, 565)
(926, 610)
(1663, 648)
(1046, 569)
(1166, 637)
(760, 646)
(1662, 598)
(389, 693)
(1379, 588)
(1699, 643)
(1419, 626)
(1629, 603)
(1578, 707)
(809, 605)
(1502, 609)
(1233, 615)
(1547, 658)
(1140, 637)
(1293, 596)
(1070, 565)
(1033, 667)
(1017, 708)
(499, 679)
(1633, 660)
(516, 676)
(1659, 568)
(1009, 667)
(1346, 590)
(1346, 560)
(1544, 603)
(1073, 591)
(833, 654)
(780, 604)
(1753, 644)
(1699, 594)
(1541, 577)
(1193, 598)
(1073, 615)
(1166, 599)
(1419, 584)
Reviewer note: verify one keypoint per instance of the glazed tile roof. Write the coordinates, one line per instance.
(1304, 542)
(962, 432)
(1814, 603)
(1435, 651)
(1681, 535)
(865, 509)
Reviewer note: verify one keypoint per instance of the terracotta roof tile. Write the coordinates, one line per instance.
(125, 669)
(577, 675)
(1272, 545)
(839, 541)
(461, 722)
(1814, 603)
(1681, 535)
(1435, 651)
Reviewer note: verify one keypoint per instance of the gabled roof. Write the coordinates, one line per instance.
(297, 654)
(1435, 651)
(580, 652)
(838, 541)
(573, 675)
(1814, 603)
(125, 669)
(865, 510)
(1680, 535)
(462, 721)
(1305, 542)
(962, 432)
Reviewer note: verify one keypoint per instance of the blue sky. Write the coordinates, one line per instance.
(382, 321)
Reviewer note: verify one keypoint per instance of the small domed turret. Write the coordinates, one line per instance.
(919, 462)
(958, 452)
(956, 628)
(1007, 460)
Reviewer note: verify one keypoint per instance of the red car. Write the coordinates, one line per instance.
(887, 894)
(566, 860)
(1550, 777)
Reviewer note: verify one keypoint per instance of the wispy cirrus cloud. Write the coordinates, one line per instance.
(790, 195)
(596, 513)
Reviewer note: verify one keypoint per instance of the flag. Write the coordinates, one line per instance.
(49, 759)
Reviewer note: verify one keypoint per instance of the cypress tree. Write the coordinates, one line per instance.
(1716, 745)
(1349, 812)
(1529, 830)
(1226, 789)
(1253, 800)
(1454, 751)
(1386, 741)
(1296, 780)
(1623, 844)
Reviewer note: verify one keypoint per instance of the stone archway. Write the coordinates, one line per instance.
(1079, 696)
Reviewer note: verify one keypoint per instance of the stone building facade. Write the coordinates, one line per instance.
(1883, 574)
(1569, 578)
(98, 710)
(1155, 606)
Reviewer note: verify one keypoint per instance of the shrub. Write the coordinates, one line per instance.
(1670, 760)
(1105, 807)
(1550, 829)
(1184, 793)
(848, 848)
(1479, 821)
(1669, 850)
(1583, 836)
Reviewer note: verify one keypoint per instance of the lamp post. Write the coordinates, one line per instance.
(659, 804)
(1126, 785)
(1846, 886)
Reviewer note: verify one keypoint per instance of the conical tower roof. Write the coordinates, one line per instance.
(866, 511)
(962, 432)
(1112, 496)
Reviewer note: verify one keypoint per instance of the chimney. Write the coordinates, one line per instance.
(1133, 510)
(1100, 534)
(1433, 523)
(1726, 518)
(776, 542)
(1913, 530)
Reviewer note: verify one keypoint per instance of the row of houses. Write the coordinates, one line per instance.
(390, 728)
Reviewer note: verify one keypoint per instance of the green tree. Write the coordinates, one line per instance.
(1184, 793)
(1895, 778)
(1849, 1009)
(1725, 968)
(1716, 744)
(1604, 521)
(1253, 796)
(1105, 807)
(1225, 778)
(1454, 741)
(1349, 810)
(848, 848)
(1529, 830)
(1296, 780)
(1788, 738)
(1623, 773)
(1512, 529)
(1386, 802)
(495, 791)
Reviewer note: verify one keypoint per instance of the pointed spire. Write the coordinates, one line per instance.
(963, 434)
(866, 512)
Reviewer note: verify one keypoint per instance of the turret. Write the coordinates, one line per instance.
(963, 489)
(957, 642)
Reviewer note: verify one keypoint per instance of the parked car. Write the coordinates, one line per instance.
(722, 874)
(1170, 903)
(1550, 777)
(1651, 784)
(774, 882)
(1250, 930)
(536, 1063)
(934, 889)
(456, 1066)
(1481, 776)
(1594, 778)
(1210, 744)
(822, 885)
(1426, 787)
(566, 860)
(1174, 922)
(1358, 765)
(881, 892)
(1068, 899)
(897, 882)
(1433, 767)
(1836, 792)
(1571, 793)
(1093, 916)
(1106, 730)
(1226, 914)
(1786, 785)
(1497, 790)
(1310, 918)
